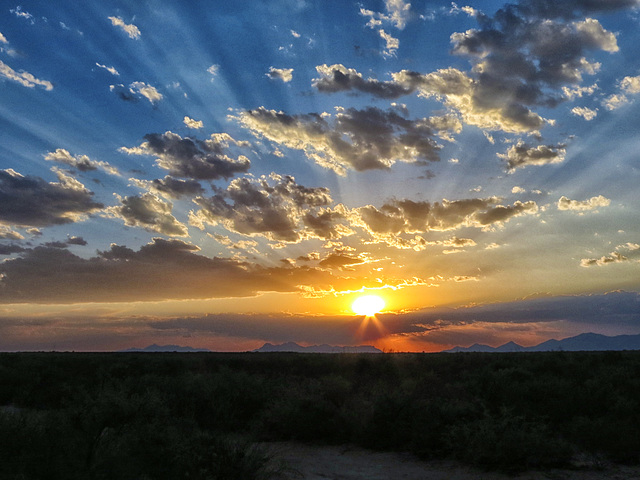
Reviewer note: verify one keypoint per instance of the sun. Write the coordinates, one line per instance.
(368, 305)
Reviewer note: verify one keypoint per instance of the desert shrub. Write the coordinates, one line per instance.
(507, 442)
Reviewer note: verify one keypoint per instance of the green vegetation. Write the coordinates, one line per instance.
(198, 415)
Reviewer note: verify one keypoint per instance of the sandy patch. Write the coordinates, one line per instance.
(352, 463)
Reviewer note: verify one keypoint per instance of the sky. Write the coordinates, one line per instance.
(225, 174)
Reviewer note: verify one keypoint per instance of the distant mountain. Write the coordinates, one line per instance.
(165, 348)
(294, 347)
(582, 342)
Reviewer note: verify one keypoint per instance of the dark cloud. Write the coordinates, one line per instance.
(338, 78)
(160, 270)
(521, 58)
(192, 158)
(276, 207)
(171, 187)
(408, 216)
(353, 139)
(28, 200)
(76, 241)
(80, 162)
(523, 154)
(149, 212)
(10, 249)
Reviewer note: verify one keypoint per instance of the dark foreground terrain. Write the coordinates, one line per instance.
(203, 415)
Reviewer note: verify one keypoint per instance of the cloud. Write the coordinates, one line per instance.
(147, 91)
(630, 85)
(191, 123)
(408, 217)
(160, 270)
(352, 139)
(111, 70)
(3, 39)
(214, 70)
(275, 207)
(392, 43)
(149, 212)
(284, 74)
(632, 253)
(587, 113)
(18, 12)
(170, 187)
(135, 91)
(626, 86)
(79, 162)
(129, 29)
(398, 14)
(30, 201)
(522, 155)
(23, 78)
(7, 234)
(582, 205)
(338, 78)
(190, 157)
(522, 58)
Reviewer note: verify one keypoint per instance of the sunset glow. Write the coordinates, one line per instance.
(226, 174)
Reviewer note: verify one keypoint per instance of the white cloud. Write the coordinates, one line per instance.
(392, 43)
(80, 162)
(584, 112)
(581, 205)
(24, 78)
(111, 70)
(129, 29)
(615, 101)
(630, 85)
(147, 91)
(3, 39)
(284, 74)
(214, 70)
(191, 123)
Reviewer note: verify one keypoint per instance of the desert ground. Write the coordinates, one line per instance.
(311, 462)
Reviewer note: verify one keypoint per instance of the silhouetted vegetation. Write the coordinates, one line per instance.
(199, 415)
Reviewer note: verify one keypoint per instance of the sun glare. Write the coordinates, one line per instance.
(368, 305)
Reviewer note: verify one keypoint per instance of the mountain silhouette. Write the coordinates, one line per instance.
(583, 342)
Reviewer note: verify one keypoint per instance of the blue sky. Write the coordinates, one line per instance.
(168, 164)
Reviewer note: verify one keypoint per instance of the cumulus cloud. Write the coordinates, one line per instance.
(631, 253)
(337, 78)
(630, 85)
(399, 217)
(192, 158)
(582, 205)
(149, 212)
(25, 79)
(398, 14)
(79, 162)
(522, 155)
(194, 124)
(214, 70)
(352, 139)
(275, 207)
(3, 39)
(170, 187)
(111, 70)
(526, 56)
(284, 74)
(30, 201)
(615, 101)
(129, 29)
(7, 233)
(135, 91)
(587, 113)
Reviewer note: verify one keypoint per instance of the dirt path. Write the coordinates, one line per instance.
(351, 463)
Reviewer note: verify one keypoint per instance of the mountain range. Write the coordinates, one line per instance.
(582, 342)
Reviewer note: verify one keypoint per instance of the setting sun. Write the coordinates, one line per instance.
(368, 305)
